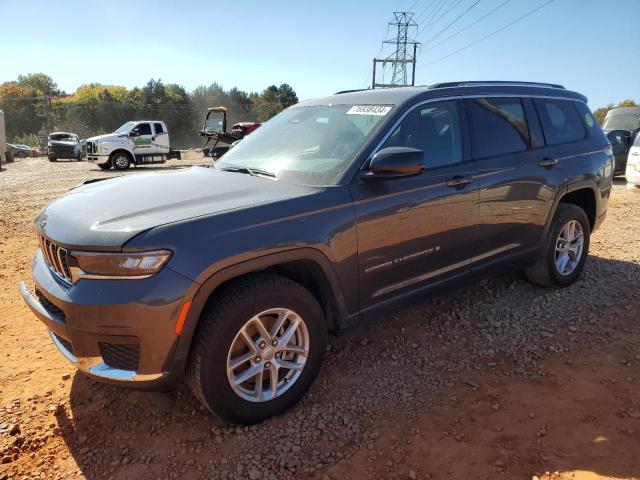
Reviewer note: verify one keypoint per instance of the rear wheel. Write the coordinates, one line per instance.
(565, 249)
(120, 161)
(258, 349)
(53, 159)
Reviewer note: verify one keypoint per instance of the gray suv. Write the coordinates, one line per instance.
(232, 276)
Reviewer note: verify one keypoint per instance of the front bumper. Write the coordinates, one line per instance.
(115, 331)
(92, 157)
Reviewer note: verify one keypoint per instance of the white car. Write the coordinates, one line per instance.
(632, 172)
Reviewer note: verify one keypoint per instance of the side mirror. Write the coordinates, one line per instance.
(134, 133)
(394, 162)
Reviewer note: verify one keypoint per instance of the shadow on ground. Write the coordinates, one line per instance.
(499, 377)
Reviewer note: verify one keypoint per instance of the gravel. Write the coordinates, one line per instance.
(379, 377)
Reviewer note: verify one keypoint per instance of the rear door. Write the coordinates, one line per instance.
(517, 176)
(417, 231)
(160, 138)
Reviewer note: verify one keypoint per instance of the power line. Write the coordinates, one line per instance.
(434, 18)
(490, 34)
(419, 17)
(468, 26)
(451, 23)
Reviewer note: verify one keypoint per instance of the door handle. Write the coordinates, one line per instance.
(547, 162)
(459, 182)
(153, 138)
(635, 154)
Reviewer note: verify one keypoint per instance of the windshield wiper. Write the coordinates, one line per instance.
(256, 172)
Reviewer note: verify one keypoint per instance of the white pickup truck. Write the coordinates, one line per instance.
(136, 142)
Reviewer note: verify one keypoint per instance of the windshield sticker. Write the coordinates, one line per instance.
(380, 110)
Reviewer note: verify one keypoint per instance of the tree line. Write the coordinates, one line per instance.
(34, 106)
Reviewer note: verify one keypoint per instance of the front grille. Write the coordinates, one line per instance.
(50, 307)
(64, 343)
(123, 357)
(91, 147)
(56, 258)
(61, 152)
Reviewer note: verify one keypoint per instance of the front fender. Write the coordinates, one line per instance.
(249, 266)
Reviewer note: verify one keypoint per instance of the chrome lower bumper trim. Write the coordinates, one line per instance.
(96, 367)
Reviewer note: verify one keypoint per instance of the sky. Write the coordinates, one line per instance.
(590, 46)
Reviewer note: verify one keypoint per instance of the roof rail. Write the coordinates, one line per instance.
(351, 91)
(495, 82)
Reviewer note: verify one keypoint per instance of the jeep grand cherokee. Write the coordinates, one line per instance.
(231, 276)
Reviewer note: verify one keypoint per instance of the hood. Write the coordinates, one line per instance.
(106, 214)
(107, 137)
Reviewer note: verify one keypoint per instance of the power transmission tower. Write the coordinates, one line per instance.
(402, 56)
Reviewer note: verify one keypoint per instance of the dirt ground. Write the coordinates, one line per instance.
(499, 380)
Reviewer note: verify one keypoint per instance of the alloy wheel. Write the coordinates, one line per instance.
(121, 161)
(569, 247)
(267, 355)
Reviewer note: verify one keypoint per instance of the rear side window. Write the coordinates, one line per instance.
(560, 121)
(498, 127)
(588, 121)
(158, 128)
(144, 129)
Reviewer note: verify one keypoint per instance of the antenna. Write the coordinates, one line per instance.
(400, 58)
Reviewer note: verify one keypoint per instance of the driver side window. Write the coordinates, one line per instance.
(144, 128)
(433, 128)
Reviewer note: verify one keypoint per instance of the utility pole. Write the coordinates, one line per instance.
(404, 54)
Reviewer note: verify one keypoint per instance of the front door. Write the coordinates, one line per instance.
(143, 142)
(417, 231)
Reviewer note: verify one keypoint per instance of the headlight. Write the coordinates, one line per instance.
(135, 265)
(104, 147)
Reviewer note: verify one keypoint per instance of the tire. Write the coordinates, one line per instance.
(52, 159)
(21, 155)
(219, 331)
(544, 271)
(120, 161)
(105, 166)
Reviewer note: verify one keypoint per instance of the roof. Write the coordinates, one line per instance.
(63, 133)
(623, 111)
(400, 95)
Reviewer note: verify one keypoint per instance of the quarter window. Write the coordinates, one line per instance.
(560, 121)
(434, 129)
(498, 127)
(144, 128)
(158, 128)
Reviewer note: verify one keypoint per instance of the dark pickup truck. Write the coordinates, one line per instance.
(232, 276)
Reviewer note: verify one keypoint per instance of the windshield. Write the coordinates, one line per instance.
(63, 137)
(126, 127)
(621, 122)
(311, 145)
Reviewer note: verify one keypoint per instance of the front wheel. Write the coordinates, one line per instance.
(52, 159)
(105, 166)
(565, 249)
(258, 349)
(121, 161)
